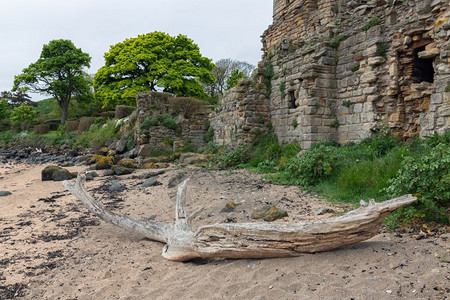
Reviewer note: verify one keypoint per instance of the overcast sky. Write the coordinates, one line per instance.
(222, 29)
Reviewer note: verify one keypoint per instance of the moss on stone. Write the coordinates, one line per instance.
(127, 163)
(269, 213)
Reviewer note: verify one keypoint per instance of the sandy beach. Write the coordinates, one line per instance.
(51, 247)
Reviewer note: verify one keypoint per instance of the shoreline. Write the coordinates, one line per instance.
(52, 247)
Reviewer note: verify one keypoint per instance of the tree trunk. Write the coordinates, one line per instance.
(64, 106)
(247, 240)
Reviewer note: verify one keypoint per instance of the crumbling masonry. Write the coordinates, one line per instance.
(342, 70)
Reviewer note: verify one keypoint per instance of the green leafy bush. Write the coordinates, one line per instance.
(165, 120)
(7, 136)
(97, 135)
(427, 176)
(147, 123)
(372, 22)
(100, 120)
(267, 166)
(23, 116)
(381, 50)
(237, 156)
(335, 42)
(313, 166)
(268, 75)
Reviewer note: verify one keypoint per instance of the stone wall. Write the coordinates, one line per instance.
(344, 69)
(243, 114)
(191, 122)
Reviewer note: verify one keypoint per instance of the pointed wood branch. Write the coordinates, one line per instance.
(248, 240)
(153, 230)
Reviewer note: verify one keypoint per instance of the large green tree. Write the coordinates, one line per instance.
(59, 73)
(155, 61)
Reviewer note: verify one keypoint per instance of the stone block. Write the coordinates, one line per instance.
(444, 111)
(370, 90)
(367, 117)
(353, 80)
(356, 119)
(370, 51)
(368, 107)
(357, 93)
(438, 98)
(369, 77)
(375, 61)
(397, 117)
(357, 108)
(429, 54)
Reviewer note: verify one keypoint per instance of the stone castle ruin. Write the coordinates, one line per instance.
(342, 70)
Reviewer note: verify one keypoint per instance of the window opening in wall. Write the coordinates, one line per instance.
(291, 99)
(422, 67)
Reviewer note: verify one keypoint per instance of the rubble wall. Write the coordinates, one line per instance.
(191, 126)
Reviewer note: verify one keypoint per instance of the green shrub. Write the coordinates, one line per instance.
(313, 166)
(7, 136)
(335, 124)
(97, 135)
(100, 120)
(283, 90)
(209, 135)
(334, 43)
(233, 158)
(212, 148)
(381, 50)
(268, 75)
(347, 103)
(187, 146)
(167, 121)
(23, 116)
(267, 166)
(372, 22)
(130, 141)
(426, 176)
(379, 145)
(147, 123)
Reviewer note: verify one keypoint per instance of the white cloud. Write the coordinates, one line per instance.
(222, 29)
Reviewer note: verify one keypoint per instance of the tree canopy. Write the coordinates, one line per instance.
(59, 73)
(155, 61)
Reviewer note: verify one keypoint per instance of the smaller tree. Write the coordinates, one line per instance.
(16, 98)
(23, 116)
(234, 78)
(59, 73)
(223, 71)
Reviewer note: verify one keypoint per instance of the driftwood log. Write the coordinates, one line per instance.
(247, 240)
